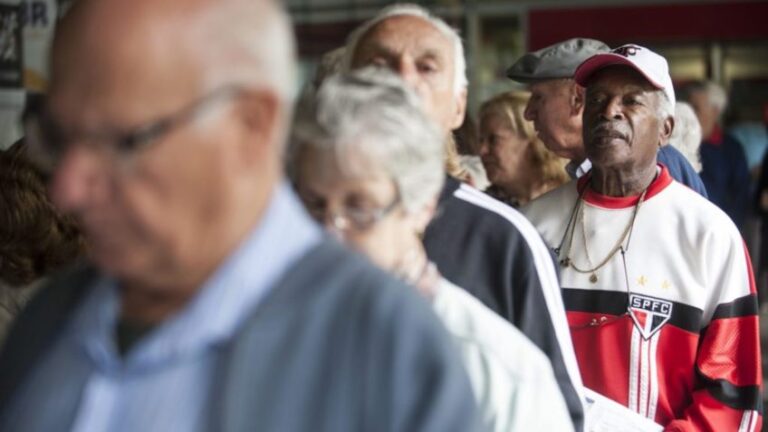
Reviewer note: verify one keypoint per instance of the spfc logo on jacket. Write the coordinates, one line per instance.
(649, 314)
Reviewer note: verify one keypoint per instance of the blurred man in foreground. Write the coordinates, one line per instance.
(217, 304)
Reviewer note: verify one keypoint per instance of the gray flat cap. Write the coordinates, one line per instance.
(555, 61)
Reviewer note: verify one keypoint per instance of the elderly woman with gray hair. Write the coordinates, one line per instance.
(686, 136)
(368, 165)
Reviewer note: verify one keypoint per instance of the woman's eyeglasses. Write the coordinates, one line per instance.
(350, 218)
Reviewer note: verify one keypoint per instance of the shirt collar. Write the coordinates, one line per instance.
(662, 180)
(225, 300)
(717, 137)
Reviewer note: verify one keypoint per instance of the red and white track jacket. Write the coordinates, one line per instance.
(673, 334)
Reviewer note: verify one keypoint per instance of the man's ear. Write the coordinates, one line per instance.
(577, 98)
(259, 117)
(459, 110)
(665, 130)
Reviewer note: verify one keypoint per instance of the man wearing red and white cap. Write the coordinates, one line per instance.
(656, 280)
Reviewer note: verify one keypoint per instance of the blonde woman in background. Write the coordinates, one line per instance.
(518, 164)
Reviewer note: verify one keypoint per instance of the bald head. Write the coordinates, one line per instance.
(173, 114)
(167, 46)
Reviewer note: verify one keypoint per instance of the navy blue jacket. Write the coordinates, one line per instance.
(726, 175)
(680, 169)
(493, 251)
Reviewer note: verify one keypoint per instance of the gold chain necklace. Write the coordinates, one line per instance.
(618, 246)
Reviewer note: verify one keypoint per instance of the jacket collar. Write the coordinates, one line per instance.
(662, 180)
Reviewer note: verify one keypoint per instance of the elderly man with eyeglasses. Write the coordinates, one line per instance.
(656, 280)
(215, 304)
(477, 242)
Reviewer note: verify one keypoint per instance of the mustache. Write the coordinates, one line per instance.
(608, 130)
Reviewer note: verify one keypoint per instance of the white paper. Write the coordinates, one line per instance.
(606, 415)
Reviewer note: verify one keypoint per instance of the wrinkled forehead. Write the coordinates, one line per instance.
(550, 88)
(619, 78)
(405, 34)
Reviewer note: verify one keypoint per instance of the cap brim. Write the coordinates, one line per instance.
(593, 64)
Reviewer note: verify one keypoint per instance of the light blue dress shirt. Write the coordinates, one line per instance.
(166, 380)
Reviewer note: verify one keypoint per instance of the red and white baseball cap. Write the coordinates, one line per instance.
(651, 65)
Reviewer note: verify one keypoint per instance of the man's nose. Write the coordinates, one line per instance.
(408, 71)
(482, 148)
(76, 178)
(611, 109)
(530, 111)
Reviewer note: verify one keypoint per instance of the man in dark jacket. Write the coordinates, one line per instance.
(724, 168)
(477, 242)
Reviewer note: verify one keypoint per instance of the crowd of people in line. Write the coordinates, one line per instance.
(189, 243)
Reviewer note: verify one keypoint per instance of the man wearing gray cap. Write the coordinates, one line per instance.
(557, 103)
(656, 280)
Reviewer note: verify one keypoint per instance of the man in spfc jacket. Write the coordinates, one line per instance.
(656, 280)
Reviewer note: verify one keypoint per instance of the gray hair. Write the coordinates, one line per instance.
(231, 37)
(716, 95)
(330, 64)
(686, 135)
(278, 57)
(665, 108)
(238, 47)
(460, 81)
(371, 113)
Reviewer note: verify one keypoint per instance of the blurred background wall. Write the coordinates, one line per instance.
(725, 41)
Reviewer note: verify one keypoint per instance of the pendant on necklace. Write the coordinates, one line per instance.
(565, 262)
(593, 278)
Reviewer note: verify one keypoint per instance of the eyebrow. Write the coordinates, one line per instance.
(375, 47)
(633, 90)
(432, 55)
